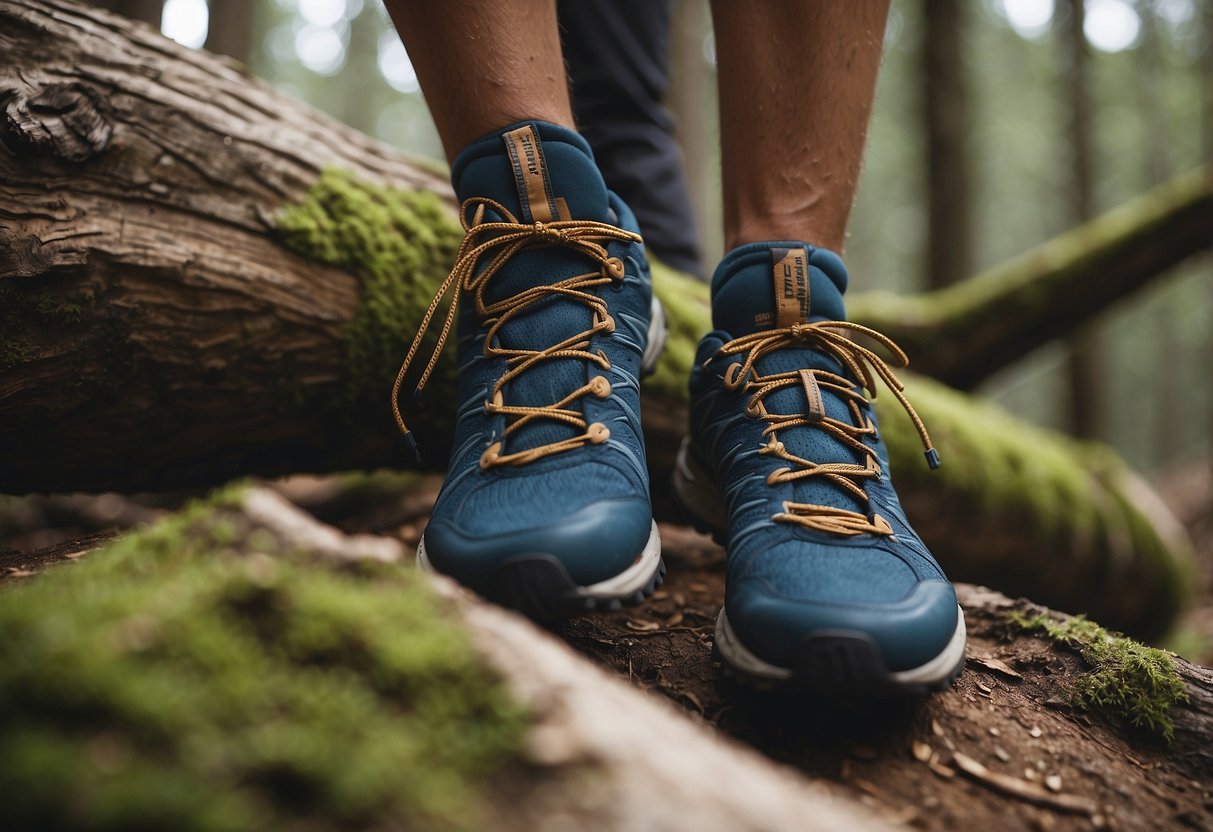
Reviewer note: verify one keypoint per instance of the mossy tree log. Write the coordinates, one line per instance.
(240, 665)
(200, 279)
(964, 333)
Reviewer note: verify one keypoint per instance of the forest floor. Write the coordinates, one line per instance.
(1002, 749)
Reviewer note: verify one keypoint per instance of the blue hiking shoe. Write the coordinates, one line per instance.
(545, 506)
(828, 589)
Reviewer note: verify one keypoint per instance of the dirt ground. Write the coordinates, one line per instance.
(1002, 749)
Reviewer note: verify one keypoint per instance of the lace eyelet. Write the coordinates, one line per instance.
(497, 401)
(490, 455)
(600, 387)
(730, 375)
(615, 269)
(776, 476)
(880, 524)
(598, 433)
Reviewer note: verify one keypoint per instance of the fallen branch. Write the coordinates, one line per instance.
(963, 334)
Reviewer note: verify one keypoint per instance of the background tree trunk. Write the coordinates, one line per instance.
(1085, 365)
(1156, 168)
(689, 99)
(231, 28)
(1206, 34)
(949, 257)
(149, 11)
(362, 108)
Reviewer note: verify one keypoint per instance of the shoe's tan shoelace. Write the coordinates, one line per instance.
(500, 241)
(830, 337)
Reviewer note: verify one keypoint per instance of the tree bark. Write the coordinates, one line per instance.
(160, 329)
(1005, 748)
(139, 193)
(946, 117)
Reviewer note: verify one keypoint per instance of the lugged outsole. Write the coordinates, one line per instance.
(540, 587)
(837, 665)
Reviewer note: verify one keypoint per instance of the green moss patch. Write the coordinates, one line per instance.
(1127, 680)
(201, 675)
(1074, 495)
(399, 243)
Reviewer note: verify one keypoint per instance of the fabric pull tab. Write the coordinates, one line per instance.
(812, 393)
(790, 273)
(531, 175)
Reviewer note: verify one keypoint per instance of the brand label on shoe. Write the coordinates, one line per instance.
(790, 272)
(816, 410)
(531, 177)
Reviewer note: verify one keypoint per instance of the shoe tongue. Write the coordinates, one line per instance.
(540, 172)
(765, 286)
(772, 285)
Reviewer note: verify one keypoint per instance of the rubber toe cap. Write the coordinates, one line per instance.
(595, 543)
(909, 632)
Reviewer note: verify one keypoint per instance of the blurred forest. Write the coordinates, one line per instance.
(998, 124)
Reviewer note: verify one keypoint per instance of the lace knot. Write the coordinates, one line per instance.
(546, 232)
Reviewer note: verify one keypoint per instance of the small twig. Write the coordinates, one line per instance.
(1022, 789)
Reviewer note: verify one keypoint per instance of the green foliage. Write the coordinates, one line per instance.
(201, 675)
(399, 243)
(1128, 680)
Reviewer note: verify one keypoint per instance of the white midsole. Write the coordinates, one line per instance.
(695, 490)
(936, 670)
(655, 343)
(628, 582)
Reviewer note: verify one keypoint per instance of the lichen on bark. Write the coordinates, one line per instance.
(204, 674)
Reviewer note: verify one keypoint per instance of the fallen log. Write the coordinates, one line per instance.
(965, 333)
(200, 286)
(289, 671)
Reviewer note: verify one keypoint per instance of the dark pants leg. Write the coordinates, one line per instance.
(617, 54)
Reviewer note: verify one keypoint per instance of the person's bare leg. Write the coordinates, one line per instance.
(483, 66)
(796, 87)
